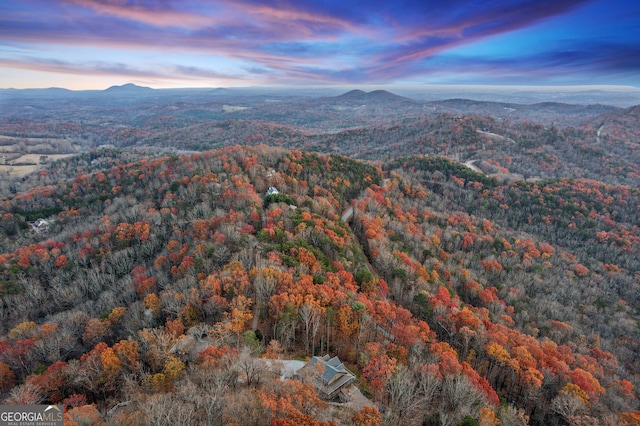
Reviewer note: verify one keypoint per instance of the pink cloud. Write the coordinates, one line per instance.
(286, 40)
(135, 12)
(294, 22)
(108, 69)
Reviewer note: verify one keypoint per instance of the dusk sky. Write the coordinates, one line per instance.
(93, 44)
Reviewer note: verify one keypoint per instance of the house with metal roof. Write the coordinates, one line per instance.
(330, 377)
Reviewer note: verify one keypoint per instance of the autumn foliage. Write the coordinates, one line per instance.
(169, 288)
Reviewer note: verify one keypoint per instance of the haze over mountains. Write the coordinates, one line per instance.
(472, 257)
(363, 124)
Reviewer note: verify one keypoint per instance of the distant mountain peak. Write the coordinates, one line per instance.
(381, 92)
(357, 93)
(129, 87)
(384, 94)
(376, 95)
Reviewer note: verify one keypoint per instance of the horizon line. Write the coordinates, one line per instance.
(612, 87)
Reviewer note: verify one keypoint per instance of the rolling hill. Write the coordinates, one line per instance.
(469, 261)
(446, 282)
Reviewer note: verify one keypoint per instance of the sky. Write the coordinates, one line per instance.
(94, 44)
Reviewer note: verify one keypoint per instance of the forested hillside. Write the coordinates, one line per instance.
(603, 148)
(162, 286)
(509, 140)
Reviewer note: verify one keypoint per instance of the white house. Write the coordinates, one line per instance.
(41, 226)
(272, 191)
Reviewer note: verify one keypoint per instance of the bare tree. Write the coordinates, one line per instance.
(458, 399)
(428, 386)
(167, 409)
(567, 405)
(250, 367)
(404, 398)
(510, 415)
(26, 393)
(310, 317)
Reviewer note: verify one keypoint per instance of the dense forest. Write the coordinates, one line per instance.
(167, 256)
(510, 141)
(164, 288)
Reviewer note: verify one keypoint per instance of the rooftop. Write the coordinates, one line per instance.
(334, 376)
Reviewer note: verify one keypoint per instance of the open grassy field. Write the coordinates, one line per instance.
(20, 171)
